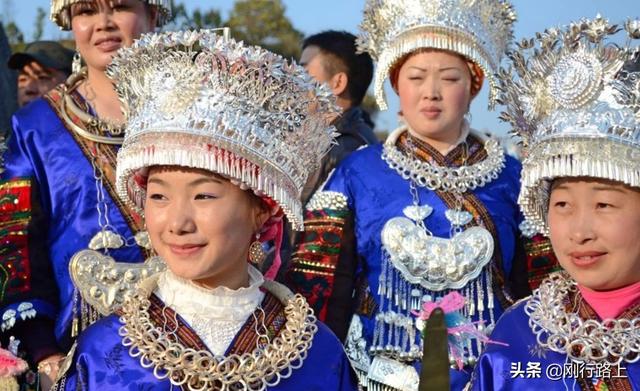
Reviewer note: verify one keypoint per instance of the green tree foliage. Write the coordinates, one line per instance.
(264, 23)
(181, 19)
(256, 22)
(206, 19)
(14, 35)
(38, 27)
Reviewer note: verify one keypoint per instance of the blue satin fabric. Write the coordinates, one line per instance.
(500, 367)
(41, 148)
(101, 362)
(376, 194)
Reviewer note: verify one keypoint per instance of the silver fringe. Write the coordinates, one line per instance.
(193, 151)
(60, 11)
(573, 158)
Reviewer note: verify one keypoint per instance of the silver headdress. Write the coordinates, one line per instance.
(199, 100)
(480, 30)
(60, 11)
(573, 98)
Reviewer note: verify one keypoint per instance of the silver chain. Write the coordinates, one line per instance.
(102, 207)
(413, 189)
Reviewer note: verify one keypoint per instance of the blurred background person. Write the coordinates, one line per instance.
(330, 57)
(41, 66)
(7, 87)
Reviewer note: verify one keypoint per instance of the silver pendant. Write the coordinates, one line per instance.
(436, 263)
(105, 283)
(142, 239)
(106, 239)
(458, 218)
(417, 212)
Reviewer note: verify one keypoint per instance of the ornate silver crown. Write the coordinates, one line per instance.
(573, 97)
(200, 100)
(480, 30)
(60, 11)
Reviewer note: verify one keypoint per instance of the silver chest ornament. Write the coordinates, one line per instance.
(418, 266)
(432, 262)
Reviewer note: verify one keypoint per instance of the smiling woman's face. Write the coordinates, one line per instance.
(594, 227)
(101, 27)
(201, 224)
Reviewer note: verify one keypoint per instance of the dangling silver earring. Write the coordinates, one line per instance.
(468, 117)
(256, 252)
(76, 65)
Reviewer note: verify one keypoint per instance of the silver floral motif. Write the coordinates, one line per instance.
(143, 240)
(8, 319)
(386, 374)
(106, 284)
(436, 263)
(106, 239)
(612, 340)
(576, 79)
(356, 349)
(458, 217)
(527, 229)
(24, 311)
(417, 212)
(632, 26)
(574, 101)
(480, 30)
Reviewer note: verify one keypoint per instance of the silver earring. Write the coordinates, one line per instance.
(76, 65)
(256, 252)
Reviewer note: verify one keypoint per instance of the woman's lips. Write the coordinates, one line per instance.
(186, 250)
(431, 113)
(586, 258)
(109, 45)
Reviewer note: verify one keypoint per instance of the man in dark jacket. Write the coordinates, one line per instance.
(330, 57)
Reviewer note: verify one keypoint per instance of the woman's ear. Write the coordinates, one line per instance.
(261, 215)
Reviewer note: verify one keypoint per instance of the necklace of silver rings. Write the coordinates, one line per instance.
(458, 179)
(613, 340)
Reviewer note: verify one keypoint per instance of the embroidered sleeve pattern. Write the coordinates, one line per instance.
(316, 257)
(541, 261)
(15, 214)
(21, 297)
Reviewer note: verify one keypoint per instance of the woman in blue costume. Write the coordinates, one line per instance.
(573, 97)
(431, 211)
(57, 191)
(221, 138)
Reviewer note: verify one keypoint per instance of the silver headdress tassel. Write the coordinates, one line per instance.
(60, 11)
(480, 30)
(573, 97)
(200, 100)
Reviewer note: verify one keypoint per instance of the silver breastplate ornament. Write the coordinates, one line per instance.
(419, 267)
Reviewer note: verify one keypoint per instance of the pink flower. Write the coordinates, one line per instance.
(11, 365)
(452, 302)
